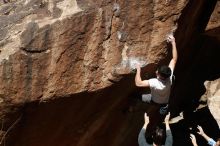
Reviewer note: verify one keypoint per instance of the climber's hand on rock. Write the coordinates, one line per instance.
(170, 38)
(137, 66)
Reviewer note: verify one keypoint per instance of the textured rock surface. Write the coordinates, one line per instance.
(212, 96)
(66, 65)
(213, 87)
(214, 19)
(57, 48)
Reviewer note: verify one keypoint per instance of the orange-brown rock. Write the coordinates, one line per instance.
(60, 48)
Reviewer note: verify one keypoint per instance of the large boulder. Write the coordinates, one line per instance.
(57, 48)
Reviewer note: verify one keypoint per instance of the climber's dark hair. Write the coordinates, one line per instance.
(164, 71)
(159, 136)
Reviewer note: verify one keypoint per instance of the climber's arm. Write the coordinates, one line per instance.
(173, 61)
(138, 81)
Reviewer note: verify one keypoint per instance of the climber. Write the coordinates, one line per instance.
(210, 141)
(160, 89)
(159, 134)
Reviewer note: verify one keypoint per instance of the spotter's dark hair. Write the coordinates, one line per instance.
(159, 136)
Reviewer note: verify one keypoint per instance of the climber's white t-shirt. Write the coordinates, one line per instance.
(160, 89)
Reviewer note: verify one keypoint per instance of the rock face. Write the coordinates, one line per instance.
(212, 96)
(66, 65)
(214, 19)
(212, 85)
(199, 64)
(65, 47)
